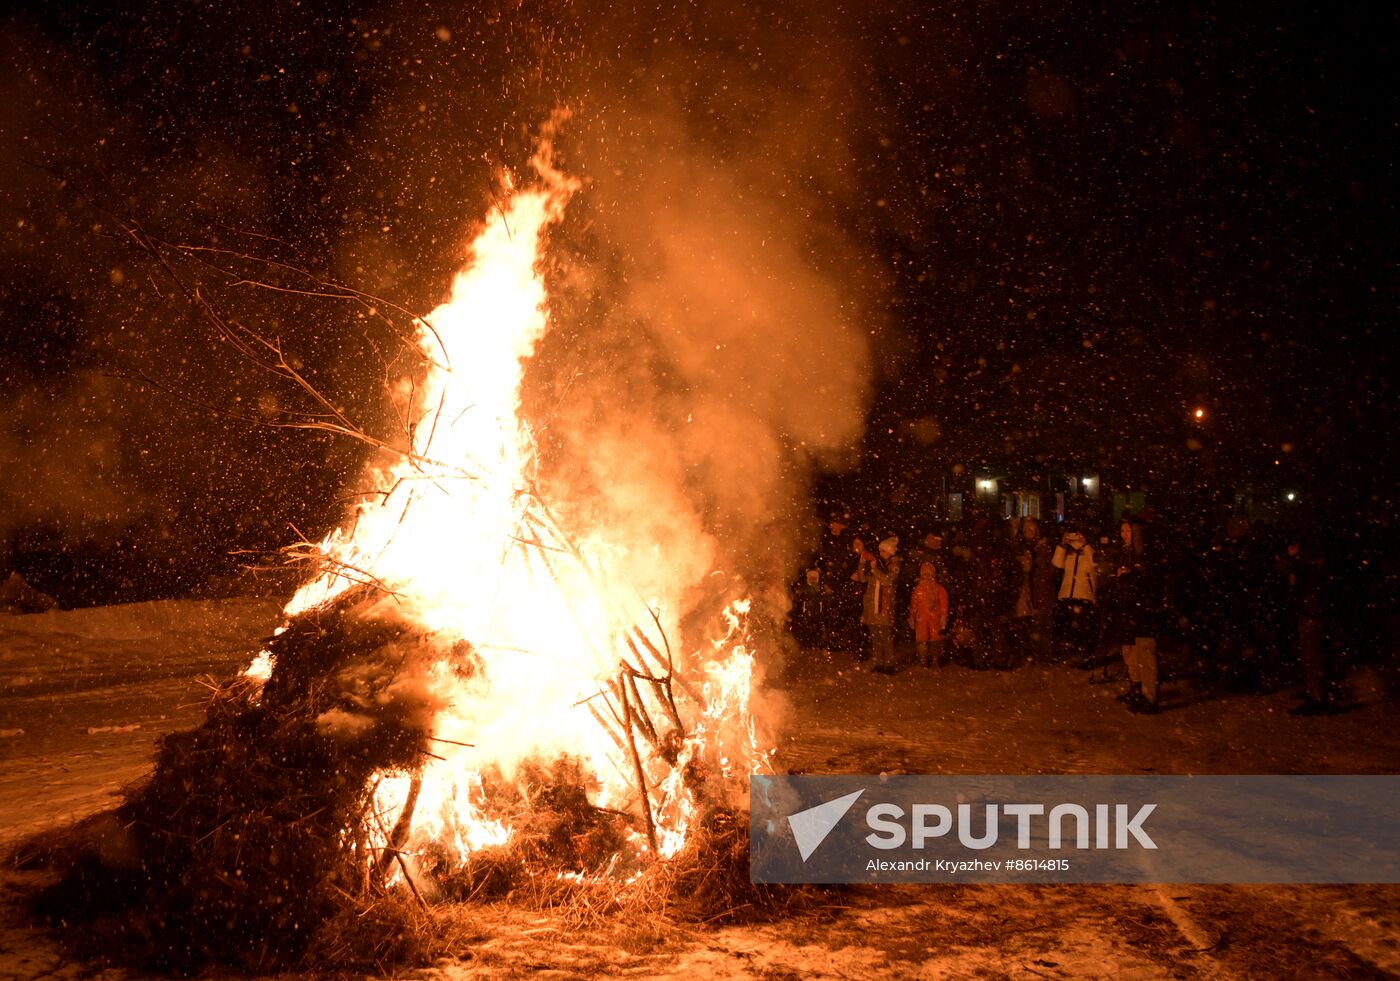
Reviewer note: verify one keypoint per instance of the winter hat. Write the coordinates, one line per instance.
(889, 546)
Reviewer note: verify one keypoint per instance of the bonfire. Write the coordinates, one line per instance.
(470, 697)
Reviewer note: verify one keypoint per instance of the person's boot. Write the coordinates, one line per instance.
(1132, 695)
(1143, 706)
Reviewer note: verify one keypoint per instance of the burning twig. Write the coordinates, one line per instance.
(611, 727)
(618, 686)
(394, 839)
(627, 718)
(661, 632)
(311, 552)
(397, 855)
(638, 711)
(320, 288)
(535, 543)
(667, 698)
(633, 636)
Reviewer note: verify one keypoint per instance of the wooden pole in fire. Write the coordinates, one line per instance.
(627, 725)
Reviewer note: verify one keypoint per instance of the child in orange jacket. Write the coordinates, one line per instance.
(928, 615)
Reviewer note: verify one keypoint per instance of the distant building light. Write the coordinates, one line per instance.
(1086, 481)
(1291, 496)
(1200, 413)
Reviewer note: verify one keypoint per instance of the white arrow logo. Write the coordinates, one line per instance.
(810, 827)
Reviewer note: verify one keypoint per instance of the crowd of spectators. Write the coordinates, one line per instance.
(1258, 607)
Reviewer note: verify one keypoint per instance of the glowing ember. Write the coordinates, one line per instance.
(547, 651)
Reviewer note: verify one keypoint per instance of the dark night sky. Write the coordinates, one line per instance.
(1076, 221)
(1152, 211)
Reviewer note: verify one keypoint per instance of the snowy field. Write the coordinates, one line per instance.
(83, 694)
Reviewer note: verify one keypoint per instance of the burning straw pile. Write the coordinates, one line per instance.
(249, 844)
(258, 841)
(466, 701)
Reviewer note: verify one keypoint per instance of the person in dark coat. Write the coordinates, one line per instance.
(930, 549)
(880, 573)
(991, 586)
(1132, 614)
(1033, 614)
(836, 560)
(1304, 570)
(855, 583)
(810, 605)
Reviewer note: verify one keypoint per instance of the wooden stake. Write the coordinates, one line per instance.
(607, 726)
(641, 774)
(661, 659)
(661, 689)
(395, 838)
(639, 710)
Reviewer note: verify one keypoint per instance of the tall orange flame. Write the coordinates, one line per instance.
(463, 540)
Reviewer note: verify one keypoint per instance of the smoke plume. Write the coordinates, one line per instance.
(714, 306)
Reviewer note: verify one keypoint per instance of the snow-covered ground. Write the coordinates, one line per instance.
(1051, 719)
(91, 689)
(84, 693)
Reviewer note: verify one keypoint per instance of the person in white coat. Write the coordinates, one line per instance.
(1079, 587)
